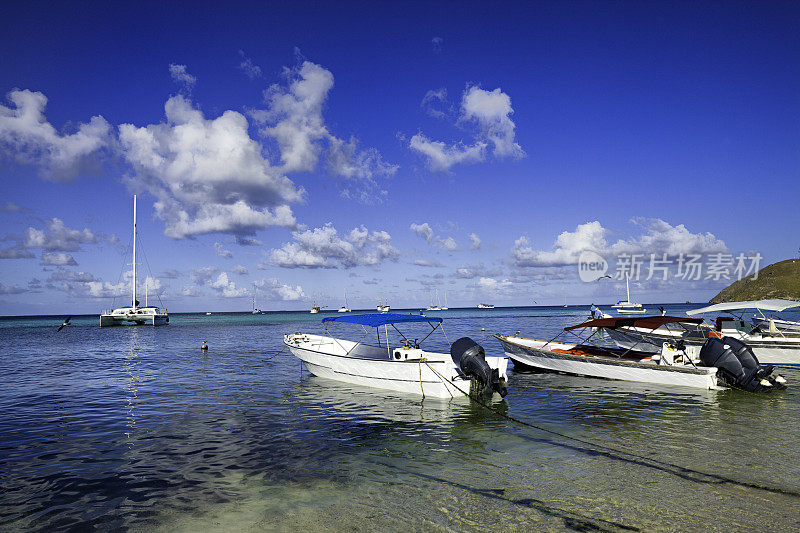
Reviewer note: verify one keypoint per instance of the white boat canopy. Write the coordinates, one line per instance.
(763, 305)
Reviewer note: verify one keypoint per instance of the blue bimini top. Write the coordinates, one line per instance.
(374, 320)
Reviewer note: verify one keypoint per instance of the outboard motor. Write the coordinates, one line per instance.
(470, 358)
(738, 366)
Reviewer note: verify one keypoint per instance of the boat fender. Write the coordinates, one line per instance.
(470, 359)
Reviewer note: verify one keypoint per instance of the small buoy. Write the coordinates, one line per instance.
(204, 347)
(483, 329)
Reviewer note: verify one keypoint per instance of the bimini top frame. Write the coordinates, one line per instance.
(376, 320)
(775, 306)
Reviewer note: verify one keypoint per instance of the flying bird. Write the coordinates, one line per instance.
(64, 324)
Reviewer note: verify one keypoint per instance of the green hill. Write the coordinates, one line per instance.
(779, 280)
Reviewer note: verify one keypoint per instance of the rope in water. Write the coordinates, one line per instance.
(608, 450)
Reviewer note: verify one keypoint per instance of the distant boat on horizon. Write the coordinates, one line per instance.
(485, 306)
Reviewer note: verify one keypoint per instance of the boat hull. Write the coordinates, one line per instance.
(108, 320)
(526, 352)
(777, 350)
(433, 374)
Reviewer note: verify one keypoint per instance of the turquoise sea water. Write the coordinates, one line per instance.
(136, 428)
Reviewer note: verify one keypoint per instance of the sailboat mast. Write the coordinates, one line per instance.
(627, 288)
(133, 302)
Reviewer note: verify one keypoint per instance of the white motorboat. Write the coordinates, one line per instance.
(344, 308)
(627, 307)
(315, 309)
(485, 306)
(400, 364)
(383, 308)
(774, 324)
(134, 315)
(718, 363)
(776, 347)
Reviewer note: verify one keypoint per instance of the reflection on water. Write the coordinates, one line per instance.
(135, 427)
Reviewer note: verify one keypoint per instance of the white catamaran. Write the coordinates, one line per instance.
(133, 315)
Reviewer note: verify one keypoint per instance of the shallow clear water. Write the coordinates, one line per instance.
(136, 428)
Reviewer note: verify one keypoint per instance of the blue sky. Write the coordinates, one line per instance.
(390, 150)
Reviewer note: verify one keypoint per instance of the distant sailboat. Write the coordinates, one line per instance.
(344, 308)
(627, 307)
(133, 315)
(256, 310)
(435, 306)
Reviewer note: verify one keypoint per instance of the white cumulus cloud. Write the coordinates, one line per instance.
(208, 176)
(424, 230)
(324, 248)
(224, 286)
(27, 137)
(58, 259)
(475, 241)
(566, 249)
(487, 113)
(294, 119)
(221, 251)
(491, 110)
(181, 76)
(442, 157)
(659, 237)
(276, 290)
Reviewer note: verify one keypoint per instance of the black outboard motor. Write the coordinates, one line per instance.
(470, 358)
(738, 366)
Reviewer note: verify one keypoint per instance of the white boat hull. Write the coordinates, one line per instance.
(787, 326)
(529, 352)
(428, 374)
(133, 320)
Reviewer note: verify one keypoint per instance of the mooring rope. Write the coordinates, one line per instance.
(608, 450)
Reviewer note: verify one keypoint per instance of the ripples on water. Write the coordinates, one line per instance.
(135, 428)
